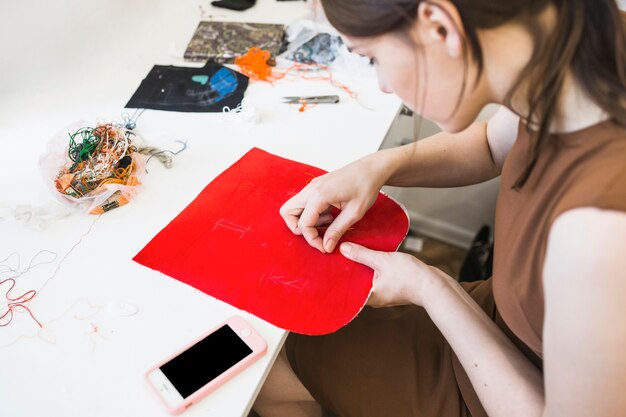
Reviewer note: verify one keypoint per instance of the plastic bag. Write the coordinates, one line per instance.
(316, 41)
(37, 217)
(93, 169)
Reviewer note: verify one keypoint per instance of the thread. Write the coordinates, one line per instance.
(4, 267)
(11, 302)
(99, 156)
(256, 64)
(130, 122)
(162, 155)
(21, 301)
(16, 302)
(47, 335)
(244, 112)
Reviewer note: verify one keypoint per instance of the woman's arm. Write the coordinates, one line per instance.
(450, 160)
(584, 333)
(506, 382)
(444, 160)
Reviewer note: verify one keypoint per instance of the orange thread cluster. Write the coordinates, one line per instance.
(256, 64)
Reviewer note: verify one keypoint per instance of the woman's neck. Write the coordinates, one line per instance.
(576, 110)
(507, 52)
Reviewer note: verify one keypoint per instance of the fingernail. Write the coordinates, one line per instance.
(345, 248)
(329, 245)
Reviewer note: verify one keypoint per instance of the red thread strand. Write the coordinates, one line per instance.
(17, 302)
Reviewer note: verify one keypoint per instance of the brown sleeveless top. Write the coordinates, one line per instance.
(395, 362)
(581, 169)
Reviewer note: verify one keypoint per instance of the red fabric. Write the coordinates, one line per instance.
(232, 243)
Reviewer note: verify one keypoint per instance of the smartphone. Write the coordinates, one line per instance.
(207, 363)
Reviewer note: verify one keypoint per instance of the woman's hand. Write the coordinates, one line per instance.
(399, 278)
(351, 189)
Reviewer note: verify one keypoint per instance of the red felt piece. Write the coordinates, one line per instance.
(232, 243)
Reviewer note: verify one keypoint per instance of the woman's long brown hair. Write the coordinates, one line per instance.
(588, 41)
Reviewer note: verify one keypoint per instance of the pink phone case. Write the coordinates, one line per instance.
(249, 336)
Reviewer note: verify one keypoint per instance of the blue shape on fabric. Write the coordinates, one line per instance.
(224, 82)
(200, 79)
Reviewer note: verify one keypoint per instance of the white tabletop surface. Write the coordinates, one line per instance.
(62, 61)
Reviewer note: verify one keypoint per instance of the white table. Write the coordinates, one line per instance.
(62, 61)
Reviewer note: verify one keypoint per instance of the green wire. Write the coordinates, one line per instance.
(89, 142)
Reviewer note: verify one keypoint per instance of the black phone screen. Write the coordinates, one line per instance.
(205, 360)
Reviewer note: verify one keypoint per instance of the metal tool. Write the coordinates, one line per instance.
(311, 99)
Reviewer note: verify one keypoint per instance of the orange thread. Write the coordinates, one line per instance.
(254, 64)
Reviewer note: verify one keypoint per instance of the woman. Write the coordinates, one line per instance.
(545, 336)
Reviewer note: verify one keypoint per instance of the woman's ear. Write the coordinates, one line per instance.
(441, 22)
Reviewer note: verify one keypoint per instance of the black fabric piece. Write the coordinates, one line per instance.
(239, 5)
(206, 89)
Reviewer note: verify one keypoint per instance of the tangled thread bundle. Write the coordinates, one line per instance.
(100, 157)
(255, 64)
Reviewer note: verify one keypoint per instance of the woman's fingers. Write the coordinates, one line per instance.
(303, 217)
(310, 209)
(309, 218)
(291, 211)
(339, 227)
(368, 257)
(324, 220)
